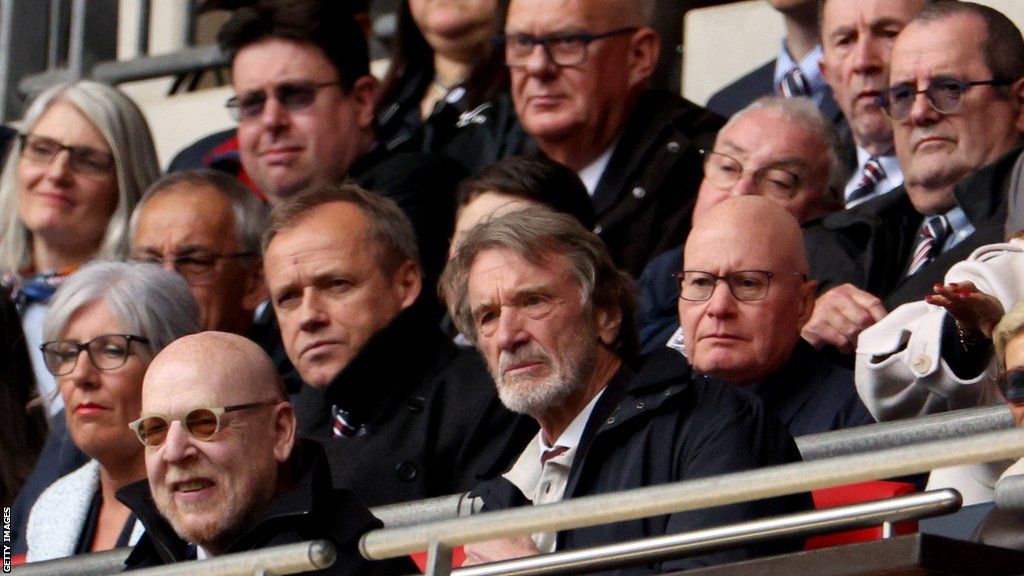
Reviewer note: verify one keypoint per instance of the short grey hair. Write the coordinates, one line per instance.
(537, 234)
(803, 112)
(388, 229)
(125, 130)
(1010, 327)
(250, 214)
(147, 300)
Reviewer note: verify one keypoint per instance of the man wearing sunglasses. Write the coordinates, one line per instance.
(956, 103)
(744, 293)
(224, 471)
(580, 71)
(304, 102)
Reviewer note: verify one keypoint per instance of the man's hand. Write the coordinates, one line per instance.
(839, 317)
(502, 549)
(973, 310)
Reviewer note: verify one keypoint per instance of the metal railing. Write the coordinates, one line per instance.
(955, 424)
(287, 559)
(693, 494)
(697, 542)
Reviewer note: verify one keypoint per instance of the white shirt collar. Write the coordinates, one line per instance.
(591, 174)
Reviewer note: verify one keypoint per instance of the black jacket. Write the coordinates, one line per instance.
(662, 425)
(644, 199)
(810, 395)
(879, 236)
(430, 414)
(310, 510)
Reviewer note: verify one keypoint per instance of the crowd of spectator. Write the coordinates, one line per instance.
(512, 268)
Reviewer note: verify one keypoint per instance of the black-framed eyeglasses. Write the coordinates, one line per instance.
(192, 266)
(82, 159)
(944, 94)
(1011, 385)
(562, 49)
(745, 285)
(293, 96)
(724, 171)
(200, 423)
(106, 352)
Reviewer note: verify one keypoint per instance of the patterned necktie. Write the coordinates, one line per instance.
(873, 173)
(553, 453)
(929, 244)
(794, 84)
(343, 425)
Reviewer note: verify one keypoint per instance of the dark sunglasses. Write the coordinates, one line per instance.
(1011, 385)
(200, 423)
(292, 96)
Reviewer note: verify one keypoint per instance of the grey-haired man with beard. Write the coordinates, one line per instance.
(540, 297)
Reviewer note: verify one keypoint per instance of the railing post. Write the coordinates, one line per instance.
(439, 559)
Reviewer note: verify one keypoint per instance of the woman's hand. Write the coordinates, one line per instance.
(973, 310)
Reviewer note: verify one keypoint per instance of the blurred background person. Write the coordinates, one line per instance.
(85, 155)
(24, 420)
(106, 324)
(514, 184)
(443, 67)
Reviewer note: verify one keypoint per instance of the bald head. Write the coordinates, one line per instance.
(754, 225)
(232, 365)
(751, 251)
(222, 433)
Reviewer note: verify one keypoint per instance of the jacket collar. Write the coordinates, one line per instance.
(299, 501)
(982, 194)
(392, 362)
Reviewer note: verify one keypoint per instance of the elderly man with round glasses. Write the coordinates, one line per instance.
(744, 294)
(225, 473)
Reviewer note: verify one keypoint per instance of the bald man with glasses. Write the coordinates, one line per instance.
(744, 293)
(225, 473)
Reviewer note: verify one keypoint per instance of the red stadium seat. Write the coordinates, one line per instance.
(852, 494)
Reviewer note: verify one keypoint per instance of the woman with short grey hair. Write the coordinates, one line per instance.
(83, 158)
(105, 325)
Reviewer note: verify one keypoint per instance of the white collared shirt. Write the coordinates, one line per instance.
(591, 174)
(544, 483)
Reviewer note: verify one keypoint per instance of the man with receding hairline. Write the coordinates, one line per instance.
(956, 103)
(224, 471)
(744, 295)
(580, 71)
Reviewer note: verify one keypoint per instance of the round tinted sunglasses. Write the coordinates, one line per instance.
(200, 423)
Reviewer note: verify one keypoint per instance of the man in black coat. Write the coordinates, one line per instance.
(584, 100)
(404, 415)
(224, 474)
(553, 317)
(956, 100)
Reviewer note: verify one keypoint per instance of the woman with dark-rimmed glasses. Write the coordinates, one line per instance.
(82, 158)
(105, 324)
